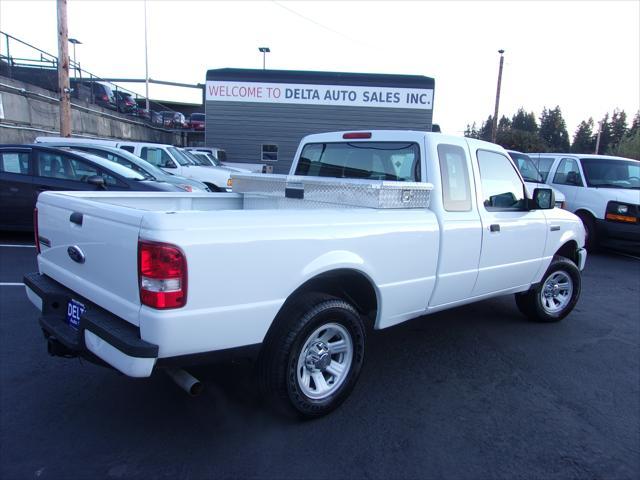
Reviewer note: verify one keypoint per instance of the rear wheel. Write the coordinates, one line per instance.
(313, 357)
(553, 298)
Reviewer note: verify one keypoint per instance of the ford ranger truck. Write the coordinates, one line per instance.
(374, 229)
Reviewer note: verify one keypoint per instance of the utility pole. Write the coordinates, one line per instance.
(146, 61)
(598, 137)
(494, 130)
(63, 70)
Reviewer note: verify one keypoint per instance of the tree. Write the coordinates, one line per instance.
(618, 130)
(504, 124)
(635, 125)
(520, 140)
(630, 145)
(553, 130)
(485, 129)
(524, 121)
(583, 140)
(471, 131)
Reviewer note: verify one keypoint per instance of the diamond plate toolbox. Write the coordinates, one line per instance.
(335, 191)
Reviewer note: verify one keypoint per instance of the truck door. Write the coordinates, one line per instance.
(513, 238)
(460, 226)
(16, 188)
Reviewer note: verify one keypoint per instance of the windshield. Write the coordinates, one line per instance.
(206, 157)
(112, 166)
(527, 168)
(195, 159)
(179, 156)
(609, 173)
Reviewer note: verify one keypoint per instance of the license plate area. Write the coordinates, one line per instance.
(75, 309)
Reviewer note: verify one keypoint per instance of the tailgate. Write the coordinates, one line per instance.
(93, 250)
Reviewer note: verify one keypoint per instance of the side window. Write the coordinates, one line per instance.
(269, 153)
(128, 148)
(456, 192)
(502, 188)
(14, 162)
(568, 173)
(157, 157)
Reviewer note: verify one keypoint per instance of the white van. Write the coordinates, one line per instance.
(604, 191)
(167, 157)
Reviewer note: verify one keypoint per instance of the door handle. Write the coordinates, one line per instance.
(494, 228)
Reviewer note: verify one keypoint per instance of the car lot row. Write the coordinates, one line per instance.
(105, 95)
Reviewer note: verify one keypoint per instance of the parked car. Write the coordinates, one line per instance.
(28, 170)
(206, 160)
(532, 177)
(173, 120)
(196, 121)
(126, 102)
(309, 266)
(604, 191)
(167, 157)
(137, 164)
(220, 155)
(99, 93)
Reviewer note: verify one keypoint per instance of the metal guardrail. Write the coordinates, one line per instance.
(23, 61)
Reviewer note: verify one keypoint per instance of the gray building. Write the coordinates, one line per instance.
(260, 116)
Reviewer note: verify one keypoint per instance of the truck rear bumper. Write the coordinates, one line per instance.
(100, 334)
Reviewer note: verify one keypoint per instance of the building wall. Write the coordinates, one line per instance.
(241, 126)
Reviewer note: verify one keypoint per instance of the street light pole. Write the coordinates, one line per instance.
(494, 130)
(264, 51)
(74, 42)
(146, 60)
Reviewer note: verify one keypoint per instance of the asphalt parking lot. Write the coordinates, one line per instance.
(477, 392)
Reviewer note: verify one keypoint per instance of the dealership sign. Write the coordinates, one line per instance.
(332, 95)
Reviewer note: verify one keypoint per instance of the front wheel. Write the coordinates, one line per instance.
(313, 357)
(556, 296)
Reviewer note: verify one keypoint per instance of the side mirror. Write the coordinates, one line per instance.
(169, 164)
(543, 199)
(573, 179)
(96, 180)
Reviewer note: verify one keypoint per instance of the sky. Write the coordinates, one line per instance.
(581, 55)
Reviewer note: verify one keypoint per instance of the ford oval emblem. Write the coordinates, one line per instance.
(76, 254)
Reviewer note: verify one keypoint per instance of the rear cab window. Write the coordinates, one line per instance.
(397, 161)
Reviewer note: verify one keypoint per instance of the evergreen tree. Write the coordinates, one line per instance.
(584, 141)
(471, 131)
(553, 130)
(630, 145)
(504, 124)
(635, 125)
(605, 135)
(618, 129)
(524, 121)
(485, 129)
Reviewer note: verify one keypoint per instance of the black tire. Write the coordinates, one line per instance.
(279, 359)
(591, 235)
(530, 303)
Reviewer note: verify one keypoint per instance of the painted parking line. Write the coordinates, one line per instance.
(16, 246)
(11, 284)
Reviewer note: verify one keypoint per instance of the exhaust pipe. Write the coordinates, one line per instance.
(185, 381)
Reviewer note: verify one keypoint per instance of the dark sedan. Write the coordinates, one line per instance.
(27, 170)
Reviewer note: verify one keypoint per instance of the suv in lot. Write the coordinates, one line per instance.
(99, 93)
(604, 191)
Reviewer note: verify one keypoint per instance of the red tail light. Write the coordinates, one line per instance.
(105, 98)
(356, 135)
(162, 275)
(35, 229)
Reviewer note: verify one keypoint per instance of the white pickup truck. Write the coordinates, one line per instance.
(297, 268)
